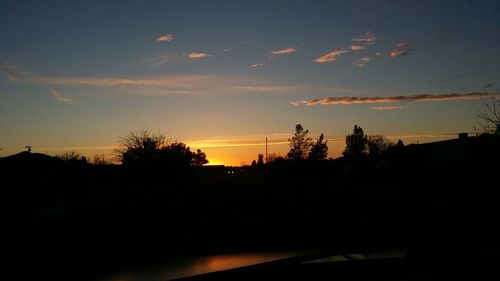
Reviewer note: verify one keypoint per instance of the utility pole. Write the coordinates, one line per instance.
(267, 155)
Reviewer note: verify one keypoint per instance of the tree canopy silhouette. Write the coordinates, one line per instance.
(143, 149)
(319, 150)
(356, 143)
(377, 144)
(300, 144)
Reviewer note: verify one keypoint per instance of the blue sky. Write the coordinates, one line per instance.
(79, 74)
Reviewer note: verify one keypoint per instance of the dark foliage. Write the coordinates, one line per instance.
(147, 151)
(356, 143)
(319, 150)
(300, 144)
(377, 144)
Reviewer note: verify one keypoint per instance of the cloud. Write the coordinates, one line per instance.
(366, 39)
(368, 100)
(161, 85)
(165, 38)
(256, 65)
(331, 56)
(287, 51)
(401, 49)
(398, 53)
(59, 97)
(265, 89)
(357, 47)
(165, 58)
(489, 85)
(388, 107)
(195, 55)
(177, 84)
(12, 72)
(362, 62)
(402, 45)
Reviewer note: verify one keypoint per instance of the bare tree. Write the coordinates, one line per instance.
(488, 118)
(100, 159)
(69, 156)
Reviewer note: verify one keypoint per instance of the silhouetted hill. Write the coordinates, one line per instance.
(28, 158)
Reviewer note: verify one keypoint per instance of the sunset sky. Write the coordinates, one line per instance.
(223, 75)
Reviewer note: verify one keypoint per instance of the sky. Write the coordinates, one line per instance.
(223, 75)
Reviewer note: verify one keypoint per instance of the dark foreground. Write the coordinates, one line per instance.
(74, 221)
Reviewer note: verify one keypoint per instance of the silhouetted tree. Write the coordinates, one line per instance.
(489, 117)
(260, 159)
(300, 144)
(144, 149)
(140, 148)
(273, 157)
(199, 158)
(319, 150)
(400, 143)
(355, 143)
(377, 144)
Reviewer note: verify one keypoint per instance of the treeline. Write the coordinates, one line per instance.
(358, 145)
(145, 150)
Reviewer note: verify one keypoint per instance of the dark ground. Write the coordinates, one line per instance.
(73, 219)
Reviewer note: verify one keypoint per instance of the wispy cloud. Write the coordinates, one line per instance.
(161, 85)
(11, 71)
(398, 53)
(486, 86)
(59, 97)
(331, 56)
(402, 45)
(195, 55)
(366, 39)
(265, 89)
(256, 65)
(287, 51)
(401, 49)
(357, 47)
(364, 100)
(388, 107)
(175, 84)
(165, 58)
(165, 38)
(362, 62)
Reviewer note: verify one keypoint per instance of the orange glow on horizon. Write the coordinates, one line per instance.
(229, 152)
